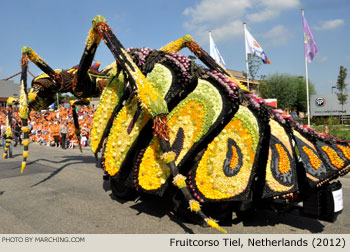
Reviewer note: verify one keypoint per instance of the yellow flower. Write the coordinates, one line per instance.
(168, 157)
(210, 179)
(212, 223)
(119, 140)
(177, 45)
(108, 100)
(32, 96)
(194, 206)
(152, 168)
(180, 181)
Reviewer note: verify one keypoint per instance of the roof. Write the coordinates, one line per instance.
(8, 89)
(242, 77)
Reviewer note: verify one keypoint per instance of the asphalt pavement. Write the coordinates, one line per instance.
(62, 192)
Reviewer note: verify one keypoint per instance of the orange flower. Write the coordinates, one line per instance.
(345, 150)
(314, 160)
(333, 156)
(234, 159)
(283, 162)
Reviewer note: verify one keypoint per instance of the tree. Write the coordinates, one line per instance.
(301, 102)
(62, 97)
(341, 87)
(289, 90)
(254, 63)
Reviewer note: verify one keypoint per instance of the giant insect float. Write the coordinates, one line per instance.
(164, 122)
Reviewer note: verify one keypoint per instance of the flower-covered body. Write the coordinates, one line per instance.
(164, 122)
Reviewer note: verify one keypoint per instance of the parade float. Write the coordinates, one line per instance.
(166, 125)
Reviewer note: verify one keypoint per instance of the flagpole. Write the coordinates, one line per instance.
(307, 82)
(209, 41)
(307, 92)
(246, 54)
(210, 45)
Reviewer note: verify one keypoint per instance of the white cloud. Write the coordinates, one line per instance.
(329, 24)
(215, 11)
(281, 4)
(222, 17)
(277, 35)
(225, 17)
(227, 31)
(347, 57)
(271, 9)
(263, 15)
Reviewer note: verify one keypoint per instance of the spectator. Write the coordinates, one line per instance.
(44, 126)
(294, 115)
(17, 134)
(3, 134)
(63, 132)
(55, 132)
(84, 139)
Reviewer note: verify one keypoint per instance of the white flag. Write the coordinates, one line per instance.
(254, 48)
(214, 52)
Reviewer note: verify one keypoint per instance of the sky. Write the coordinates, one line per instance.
(57, 31)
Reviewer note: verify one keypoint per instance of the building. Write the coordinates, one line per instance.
(328, 105)
(242, 77)
(8, 89)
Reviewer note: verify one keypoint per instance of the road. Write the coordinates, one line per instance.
(62, 192)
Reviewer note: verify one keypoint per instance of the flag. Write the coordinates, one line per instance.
(214, 52)
(309, 42)
(253, 47)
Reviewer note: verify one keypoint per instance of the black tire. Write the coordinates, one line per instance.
(120, 190)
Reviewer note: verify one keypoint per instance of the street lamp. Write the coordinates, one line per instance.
(333, 88)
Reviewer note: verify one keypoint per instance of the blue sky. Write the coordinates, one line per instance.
(57, 30)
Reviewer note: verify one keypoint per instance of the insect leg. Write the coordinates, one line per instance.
(83, 85)
(39, 62)
(24, 109)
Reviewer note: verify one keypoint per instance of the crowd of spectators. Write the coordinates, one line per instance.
(53, 128)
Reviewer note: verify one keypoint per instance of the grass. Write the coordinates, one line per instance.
(340, 131)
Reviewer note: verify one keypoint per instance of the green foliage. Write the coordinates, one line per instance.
(321, 120)
(334, 126)
(341, 86)
(340, 131)
(342, 98)
(254, 63)
(62, 97)
(67, 96)
(289, 90)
